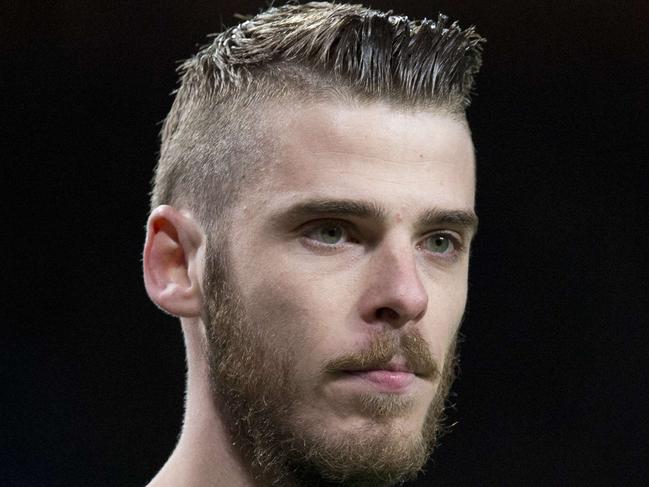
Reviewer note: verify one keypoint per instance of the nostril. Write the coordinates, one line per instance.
(387, 314)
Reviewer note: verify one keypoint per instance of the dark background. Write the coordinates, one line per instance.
(553, 386)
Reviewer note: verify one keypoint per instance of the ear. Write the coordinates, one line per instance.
(172, 261)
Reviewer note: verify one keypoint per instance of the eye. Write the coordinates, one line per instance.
(440, 244)
(328, 234)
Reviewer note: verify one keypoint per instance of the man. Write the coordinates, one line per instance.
(312, 214)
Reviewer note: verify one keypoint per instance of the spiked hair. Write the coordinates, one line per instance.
(299, 53)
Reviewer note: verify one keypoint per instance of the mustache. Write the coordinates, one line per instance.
(383, 348)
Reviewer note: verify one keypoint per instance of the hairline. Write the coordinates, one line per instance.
(261, 120)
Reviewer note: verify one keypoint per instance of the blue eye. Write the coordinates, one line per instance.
(330, 234)
(439, 244)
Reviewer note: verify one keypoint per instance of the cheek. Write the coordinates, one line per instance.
(271, 306)
(289, 311)
(445, 310)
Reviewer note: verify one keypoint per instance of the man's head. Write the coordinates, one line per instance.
(325, 175)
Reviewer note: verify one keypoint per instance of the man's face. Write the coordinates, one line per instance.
(332, 334)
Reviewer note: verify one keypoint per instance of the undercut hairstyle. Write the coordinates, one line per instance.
(220, 129)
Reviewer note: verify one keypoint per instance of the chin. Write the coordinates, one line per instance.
(362, 451)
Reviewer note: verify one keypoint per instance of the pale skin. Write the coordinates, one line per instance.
(362, 223)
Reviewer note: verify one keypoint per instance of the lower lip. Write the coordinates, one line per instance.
(385, 379)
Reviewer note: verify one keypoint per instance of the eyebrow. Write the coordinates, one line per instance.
(456, 218)
(369, 210)
(341, 207)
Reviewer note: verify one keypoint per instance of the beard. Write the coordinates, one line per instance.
(255, 389)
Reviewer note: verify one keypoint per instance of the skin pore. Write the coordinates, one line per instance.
(320, 336)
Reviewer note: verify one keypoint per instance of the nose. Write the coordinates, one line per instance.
(394, 294)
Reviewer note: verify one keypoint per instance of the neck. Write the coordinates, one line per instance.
(204, 456)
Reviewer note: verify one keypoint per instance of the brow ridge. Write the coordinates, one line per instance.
(371, 210)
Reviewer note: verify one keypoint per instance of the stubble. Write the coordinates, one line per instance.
(255, 389)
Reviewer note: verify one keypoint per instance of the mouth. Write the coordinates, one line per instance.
(385, 380)
(395, 365)
(393, 376)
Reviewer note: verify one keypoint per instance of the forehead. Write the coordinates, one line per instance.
(399, 159)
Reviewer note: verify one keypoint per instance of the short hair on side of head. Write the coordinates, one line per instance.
(317, 51)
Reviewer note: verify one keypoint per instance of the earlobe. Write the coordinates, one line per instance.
(171, 254)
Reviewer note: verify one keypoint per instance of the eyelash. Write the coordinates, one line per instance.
(456, 242)
(312, 227)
